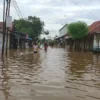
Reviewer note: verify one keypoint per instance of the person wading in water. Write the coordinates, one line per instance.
(35, 48)
(45, 46)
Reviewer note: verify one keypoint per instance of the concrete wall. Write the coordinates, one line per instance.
(63, 31)
(0, 42)
(95, 42)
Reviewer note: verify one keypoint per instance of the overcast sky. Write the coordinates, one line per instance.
(56, 13)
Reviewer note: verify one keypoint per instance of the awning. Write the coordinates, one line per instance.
(68, 37)
(29, 38)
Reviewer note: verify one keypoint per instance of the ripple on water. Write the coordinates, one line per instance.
(57, 73)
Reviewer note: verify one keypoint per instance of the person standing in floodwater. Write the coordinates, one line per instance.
(45, 46)
(52, 44)
(39, 45)
(35, 48)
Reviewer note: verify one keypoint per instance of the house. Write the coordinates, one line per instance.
(1, 36)
(94, 30)
(0, 40)
(63, 36)
(63, 31)
(84, 43)
(15, 39)
(88, 43)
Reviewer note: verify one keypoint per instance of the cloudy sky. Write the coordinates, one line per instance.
(56, 13)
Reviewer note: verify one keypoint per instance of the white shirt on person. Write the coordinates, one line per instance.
(35, 47)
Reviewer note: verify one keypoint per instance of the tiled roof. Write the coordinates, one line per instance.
(95, 27)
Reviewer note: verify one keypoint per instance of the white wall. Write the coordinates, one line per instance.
(95, 42)
(63, 31)
(0, 42)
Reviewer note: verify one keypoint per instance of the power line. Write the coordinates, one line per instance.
(84, 9)
(18, 7)
(14, 4)
(15, 11)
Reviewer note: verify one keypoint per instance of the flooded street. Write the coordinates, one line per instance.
(53, 75)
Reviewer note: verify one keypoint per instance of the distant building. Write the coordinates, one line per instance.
(63, 31)
(63, 34)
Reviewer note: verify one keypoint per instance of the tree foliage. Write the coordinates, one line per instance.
(46, 32)
(31, 25)
(78, 29)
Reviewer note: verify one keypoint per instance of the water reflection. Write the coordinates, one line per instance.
(5, 79)
(80, 63)
(55, 74)
(84, 72)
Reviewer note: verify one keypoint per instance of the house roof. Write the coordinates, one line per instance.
(94, 27)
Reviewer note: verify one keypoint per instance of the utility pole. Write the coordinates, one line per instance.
(6, 11)
(3, 40)
(7, 27)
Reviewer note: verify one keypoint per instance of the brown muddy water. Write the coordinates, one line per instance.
(53, 75)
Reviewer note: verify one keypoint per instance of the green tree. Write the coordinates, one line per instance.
(31, 25)
(78, 29)
(46, 32)
(43, 40)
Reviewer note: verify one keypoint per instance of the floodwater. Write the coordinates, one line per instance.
(57, 74)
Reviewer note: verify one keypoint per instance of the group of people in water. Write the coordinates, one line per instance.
(37, 46)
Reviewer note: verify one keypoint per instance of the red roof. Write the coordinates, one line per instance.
(95, 27)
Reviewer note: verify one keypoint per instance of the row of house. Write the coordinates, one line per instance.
(90, 42)
(15, 39)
